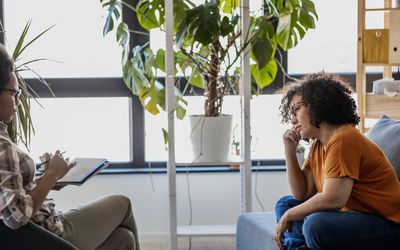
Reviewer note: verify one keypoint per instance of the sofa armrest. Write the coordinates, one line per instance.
(255, 231)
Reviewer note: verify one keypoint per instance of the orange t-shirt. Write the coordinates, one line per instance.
(376, 188)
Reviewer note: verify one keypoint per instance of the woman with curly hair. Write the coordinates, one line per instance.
(346, 195)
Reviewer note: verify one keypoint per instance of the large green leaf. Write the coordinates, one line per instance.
(134, 73)
(265, 76)
(180, 8)
(203, 23)
(123, 37)
(228, 25)
(180, 110)
(123, 34)
(229, 5)
(296, 18)
(262, 52)
(197, 80)
(160, 60)
(150, 13)
(153, 98)
(308, 14)
(113, 9)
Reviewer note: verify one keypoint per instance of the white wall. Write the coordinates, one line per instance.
(215, 197)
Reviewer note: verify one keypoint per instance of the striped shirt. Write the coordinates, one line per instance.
(17, 172)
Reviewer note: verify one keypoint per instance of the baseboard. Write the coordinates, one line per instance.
(164, 239)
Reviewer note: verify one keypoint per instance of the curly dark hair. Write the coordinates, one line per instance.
(6, 66)
(327, 95)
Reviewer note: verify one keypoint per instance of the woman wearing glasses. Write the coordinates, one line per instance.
(346, 195)
(106, 223)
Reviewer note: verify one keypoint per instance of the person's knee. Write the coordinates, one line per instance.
(121, 238)
(313, 229)
(127, 238)
(284, 201)
(121, 200)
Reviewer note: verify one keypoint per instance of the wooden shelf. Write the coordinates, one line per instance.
(382, 9)
(206, 230)
(374, 106)
(377, 105)
(382, 64)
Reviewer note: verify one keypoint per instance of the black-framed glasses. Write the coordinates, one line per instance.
(16, 92)
(295, 108)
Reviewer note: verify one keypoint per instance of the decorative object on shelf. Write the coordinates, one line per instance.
(300, 150)
(236, 152)
(21, 127)
(376, 46)
(379, 86)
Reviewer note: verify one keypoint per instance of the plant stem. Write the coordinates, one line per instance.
(212, 80)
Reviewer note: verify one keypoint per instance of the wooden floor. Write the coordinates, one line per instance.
(198, 243)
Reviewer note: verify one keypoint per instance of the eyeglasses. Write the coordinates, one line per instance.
(295, 108)
(16, 92)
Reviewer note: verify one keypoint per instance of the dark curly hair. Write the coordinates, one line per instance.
(6, 67)
(327, 95)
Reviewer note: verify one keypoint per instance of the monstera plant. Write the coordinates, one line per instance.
(208, 46)
(21, 127)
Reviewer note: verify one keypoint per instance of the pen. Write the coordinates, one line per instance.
(41, 164)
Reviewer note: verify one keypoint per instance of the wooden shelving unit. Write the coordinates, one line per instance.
(369, 105)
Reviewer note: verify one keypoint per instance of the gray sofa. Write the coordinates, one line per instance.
(255, 231)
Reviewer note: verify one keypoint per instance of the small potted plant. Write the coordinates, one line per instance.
(300, 154)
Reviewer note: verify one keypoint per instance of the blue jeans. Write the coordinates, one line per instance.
(338, 230)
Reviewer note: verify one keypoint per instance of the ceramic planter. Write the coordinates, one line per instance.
(211, 137)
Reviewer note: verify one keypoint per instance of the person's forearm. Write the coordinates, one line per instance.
(296, 178)
(41, 191)
(319, 202)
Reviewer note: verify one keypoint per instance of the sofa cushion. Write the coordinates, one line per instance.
(386, 134)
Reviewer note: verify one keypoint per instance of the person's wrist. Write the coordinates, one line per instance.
(290, 153)
(51, 177)
(287, 215)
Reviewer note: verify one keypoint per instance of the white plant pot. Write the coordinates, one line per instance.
(211, 137)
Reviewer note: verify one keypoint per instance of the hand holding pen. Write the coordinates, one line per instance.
(45, 159)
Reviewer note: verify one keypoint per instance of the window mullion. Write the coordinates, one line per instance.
(137, 121)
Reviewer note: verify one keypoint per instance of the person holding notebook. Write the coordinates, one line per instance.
(106, 223)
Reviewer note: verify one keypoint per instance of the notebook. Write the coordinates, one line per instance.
(83, 170)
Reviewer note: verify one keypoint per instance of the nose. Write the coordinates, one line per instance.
(293, 120)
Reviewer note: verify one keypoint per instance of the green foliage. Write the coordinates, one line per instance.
(21, 127)
(208, 46)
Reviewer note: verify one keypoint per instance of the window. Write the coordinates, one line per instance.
(332, 46)
(84, 127)
(75, 42)
(266, 128)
